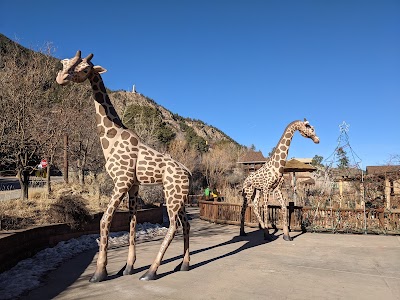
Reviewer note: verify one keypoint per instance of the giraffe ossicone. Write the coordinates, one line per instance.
(130, 163)
(269, 178)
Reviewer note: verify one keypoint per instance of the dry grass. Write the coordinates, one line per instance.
(232, 195)
(72, 204)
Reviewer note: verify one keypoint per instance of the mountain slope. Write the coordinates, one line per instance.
(122, 100)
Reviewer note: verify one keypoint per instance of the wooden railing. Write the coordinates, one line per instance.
(378, 221)
(307, 218)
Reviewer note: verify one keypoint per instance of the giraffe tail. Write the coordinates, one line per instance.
(246, 184)
(185, 168)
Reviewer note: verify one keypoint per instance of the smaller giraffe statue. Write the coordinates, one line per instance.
(130, 163)
(270, 176)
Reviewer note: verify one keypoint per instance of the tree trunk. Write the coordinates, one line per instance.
(24, 183)
(81, 173)
(97, 188)
(66, 158)
(81, 177)
(48, 180)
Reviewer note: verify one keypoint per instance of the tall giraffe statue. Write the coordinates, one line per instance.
(270, 176)
(130, 163)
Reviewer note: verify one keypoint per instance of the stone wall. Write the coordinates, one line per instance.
(20, 244)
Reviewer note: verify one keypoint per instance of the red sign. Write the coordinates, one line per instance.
(43, 163)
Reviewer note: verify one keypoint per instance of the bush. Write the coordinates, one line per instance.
(70, 209)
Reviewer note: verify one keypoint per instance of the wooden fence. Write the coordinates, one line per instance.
(307, 218)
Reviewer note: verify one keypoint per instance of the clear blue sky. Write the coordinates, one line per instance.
(248, 68)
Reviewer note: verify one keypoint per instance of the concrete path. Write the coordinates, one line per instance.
(226, 266)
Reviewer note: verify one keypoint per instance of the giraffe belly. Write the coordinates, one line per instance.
(148, 177)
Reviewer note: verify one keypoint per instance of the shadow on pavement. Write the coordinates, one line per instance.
(61, 280)
(253, 239)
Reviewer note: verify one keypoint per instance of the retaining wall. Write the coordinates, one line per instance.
(20, 244)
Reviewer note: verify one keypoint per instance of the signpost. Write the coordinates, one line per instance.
(43, 164)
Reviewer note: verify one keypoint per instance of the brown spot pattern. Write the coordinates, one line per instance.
(128, 167)
(111, 133)
(105, 143)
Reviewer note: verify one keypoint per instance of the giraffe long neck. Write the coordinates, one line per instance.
(281, 151)
(107, 119)
(106, 115)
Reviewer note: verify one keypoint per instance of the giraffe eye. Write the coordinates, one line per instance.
(85, 70)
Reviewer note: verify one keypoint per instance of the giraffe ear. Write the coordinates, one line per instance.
(99, 69)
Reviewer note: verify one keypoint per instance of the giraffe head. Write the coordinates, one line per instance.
(308, 131)
(77, 69)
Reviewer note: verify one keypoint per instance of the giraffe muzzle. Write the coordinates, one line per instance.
(316, 139)
(62, 78)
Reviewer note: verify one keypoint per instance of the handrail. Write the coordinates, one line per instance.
(307, 218)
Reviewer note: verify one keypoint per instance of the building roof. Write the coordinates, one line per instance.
(252, 157)
(294, 165)
(382, 169)
(303, 160)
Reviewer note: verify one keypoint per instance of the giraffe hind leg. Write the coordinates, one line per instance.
(173, 209)
(184, 265)
(267, 236)
(151, 274)
(256, 211)
(133, 194)
(175, 196)
(243, 212)
(286, 235)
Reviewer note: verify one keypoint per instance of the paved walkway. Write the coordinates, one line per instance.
(225, 266)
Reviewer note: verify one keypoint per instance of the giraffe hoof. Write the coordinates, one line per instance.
(183, 266)
(128, 271)
(98, 277)
(148, 276)
(287, 238)
(242, 233)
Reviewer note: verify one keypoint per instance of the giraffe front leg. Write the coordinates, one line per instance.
(285, 224)
(133, 194)
(101, 272)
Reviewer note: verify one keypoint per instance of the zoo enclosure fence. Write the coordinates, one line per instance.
(313, 219)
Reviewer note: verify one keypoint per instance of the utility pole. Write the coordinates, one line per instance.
(363, 198)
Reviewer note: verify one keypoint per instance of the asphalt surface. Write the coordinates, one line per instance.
(9, 183)
(10, 188)
(226, 266)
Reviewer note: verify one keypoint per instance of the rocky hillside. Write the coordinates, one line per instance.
(123, 100)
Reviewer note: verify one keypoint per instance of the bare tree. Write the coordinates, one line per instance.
(394, 160)
(145, 127)
(218, 162)
(181, 151)
(84, 145)
(25, 96)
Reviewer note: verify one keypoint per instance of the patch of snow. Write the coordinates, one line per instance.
(29, 273)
